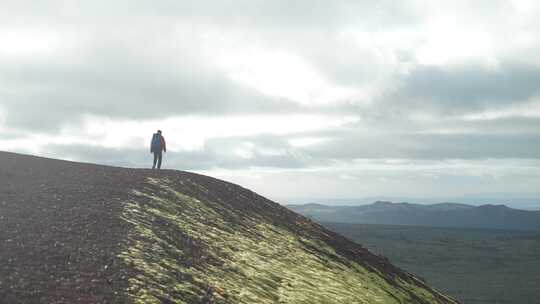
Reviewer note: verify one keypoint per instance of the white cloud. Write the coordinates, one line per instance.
(527, 110)
(427, 96)
(191, 132)
(366, 179)
(447, 41)
(29, 42)
(306, 141)
(279, 73)
(245, 150)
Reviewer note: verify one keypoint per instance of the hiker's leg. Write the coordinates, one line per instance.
(155, 160)
(160, 157)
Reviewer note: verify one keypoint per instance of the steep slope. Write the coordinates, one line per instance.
(80, 233)
(436, 215)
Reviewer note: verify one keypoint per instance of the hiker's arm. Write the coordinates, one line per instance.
(164, 144)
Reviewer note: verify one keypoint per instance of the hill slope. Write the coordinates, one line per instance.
(436, 215)
(81, 233)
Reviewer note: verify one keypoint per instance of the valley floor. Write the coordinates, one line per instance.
(471, 265)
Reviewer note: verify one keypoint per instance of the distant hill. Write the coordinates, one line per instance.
(436, 215)
(82, 233)
(524, 201)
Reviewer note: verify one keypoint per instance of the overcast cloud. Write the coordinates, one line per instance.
(294, 99)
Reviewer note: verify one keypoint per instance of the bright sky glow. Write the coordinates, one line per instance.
(28, 42)
(448, 41)
(341, 99)
(280, 74)
(190, 133)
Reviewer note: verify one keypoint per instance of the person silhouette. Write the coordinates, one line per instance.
(157, 147)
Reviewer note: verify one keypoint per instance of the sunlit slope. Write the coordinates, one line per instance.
(196, 239)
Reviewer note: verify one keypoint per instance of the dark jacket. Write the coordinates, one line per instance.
(158, 143)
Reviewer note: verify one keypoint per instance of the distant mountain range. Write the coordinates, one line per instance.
(524, 201)
(435, 215)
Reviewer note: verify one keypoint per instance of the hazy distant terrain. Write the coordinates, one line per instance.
(436, 215)
(475, 266)
(524, 201)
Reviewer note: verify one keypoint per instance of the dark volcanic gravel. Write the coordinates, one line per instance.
(60, 230)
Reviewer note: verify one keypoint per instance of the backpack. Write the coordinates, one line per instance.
(156, 142)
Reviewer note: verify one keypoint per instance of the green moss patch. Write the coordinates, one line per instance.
(190, 251)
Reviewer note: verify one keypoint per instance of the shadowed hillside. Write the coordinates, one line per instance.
(82, 233)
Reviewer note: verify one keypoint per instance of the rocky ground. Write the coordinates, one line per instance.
(82, 233)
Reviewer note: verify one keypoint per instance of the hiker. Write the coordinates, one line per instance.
(157, 146)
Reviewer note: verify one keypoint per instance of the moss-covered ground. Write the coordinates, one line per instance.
(186, 250)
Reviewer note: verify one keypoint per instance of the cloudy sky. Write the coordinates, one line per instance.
(297, 100)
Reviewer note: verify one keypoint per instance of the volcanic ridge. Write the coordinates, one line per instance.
(83, 233)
